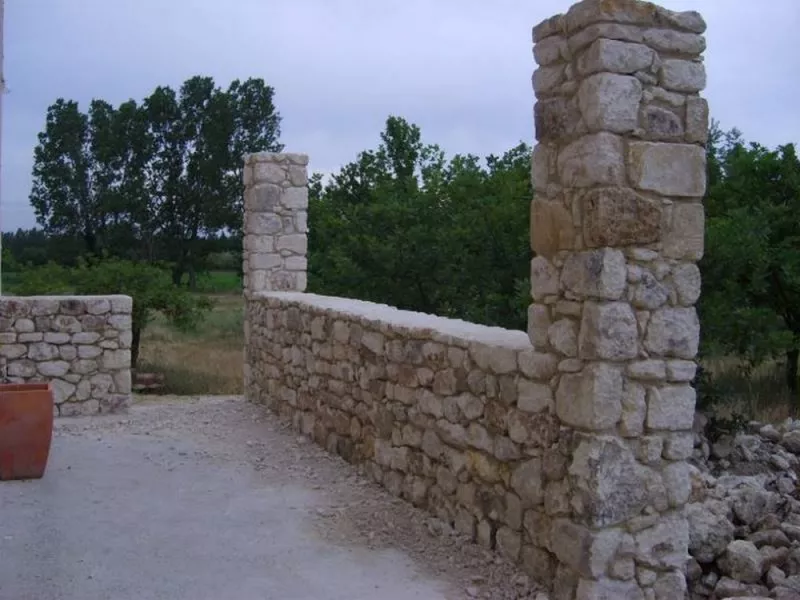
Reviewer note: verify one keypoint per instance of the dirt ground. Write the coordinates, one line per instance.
(244, 465)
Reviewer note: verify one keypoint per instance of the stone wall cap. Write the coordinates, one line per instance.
(65, 297)
(276, 157)
(469, 332)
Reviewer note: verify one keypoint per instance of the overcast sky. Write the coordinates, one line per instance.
(460, 69)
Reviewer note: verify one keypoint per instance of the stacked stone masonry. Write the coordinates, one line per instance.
(81, 344)
(617, 227)
(564, 449)
(275, 222)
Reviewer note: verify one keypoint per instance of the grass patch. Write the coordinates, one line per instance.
(208, 360)
(9, 281)
(219, 282)
(761, 394)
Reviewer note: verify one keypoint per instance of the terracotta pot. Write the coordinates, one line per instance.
(26, 429)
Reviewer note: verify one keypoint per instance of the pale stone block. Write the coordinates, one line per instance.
(295, 198)
(683, 75)
(85, 337)
(21, 368)
(53, 368)
(678, 484)
(556, 118)
(537, 365)
(265, 261)
(89, 351)
(295, 263)
(634, 410)
(509, 543)
(533, 397)
(595, 159)
(540, 167)
(550, 50)
(665, 545)
(647, 370)
(301, 221)
(121, 322)
(547, 79)
(551, 227)
(697, 120)
(8, 338)
(262, 223)
(98, 306)
(298, 176)
(258, 244)
(673, 332)
(615, 56)
(681, 370)
(62, 390)
(43, 306)
(41, 351)
(687, 281)
(669, 40)
(591, 399)
(56, 338)
(538, 324)
(612, 31)
(121, 304)
(661, 124)
(610, 102)
(116, 359)
(668, 169)
(36, 336)
(265, 197)
(563, 336)
(596, 273)
(608, 332)
(649, 293)
(24, 326)
(268, 172)
(296, 243)
(527, 482)
(609, 485)
(544, 278)
(671, 407)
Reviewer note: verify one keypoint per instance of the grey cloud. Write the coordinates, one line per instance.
(458, 68)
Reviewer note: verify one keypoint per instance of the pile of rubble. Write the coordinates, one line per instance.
(744, 513)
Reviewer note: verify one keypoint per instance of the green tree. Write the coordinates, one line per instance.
(72, 172)
(149, 286)
(402, 225)
(751, 269)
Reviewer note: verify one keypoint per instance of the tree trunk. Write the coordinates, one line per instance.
(792, 357)
(136, 336)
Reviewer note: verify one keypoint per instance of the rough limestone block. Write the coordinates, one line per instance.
(683, 76)
(673, 332)
(555, 118)
(544, 278)
(685, 235)
(608, 332)
(667, 169)
(696, 120)
(610, 486)
(591, 399)
(671, 407)
(618, 216)
(595, 273)
(551, 50)
(552, 228)
(616, 57)
(593, 160)
(610, 102)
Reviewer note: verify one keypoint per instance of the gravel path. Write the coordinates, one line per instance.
(212, 497)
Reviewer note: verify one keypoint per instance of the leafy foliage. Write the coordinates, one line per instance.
(150, 287)
(751, 298)
(402, 225)
(152, 181)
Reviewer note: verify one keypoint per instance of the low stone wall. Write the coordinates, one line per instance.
(82, 344)
(463, 420)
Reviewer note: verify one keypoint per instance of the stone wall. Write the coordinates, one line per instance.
(564, 449)
(79, 343)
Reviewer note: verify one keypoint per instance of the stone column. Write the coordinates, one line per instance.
(275, 222)
(275, 232)
(617, 229)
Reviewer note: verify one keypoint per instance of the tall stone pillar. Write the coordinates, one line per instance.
(275, 230)
(617, 228)
(275, 222)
